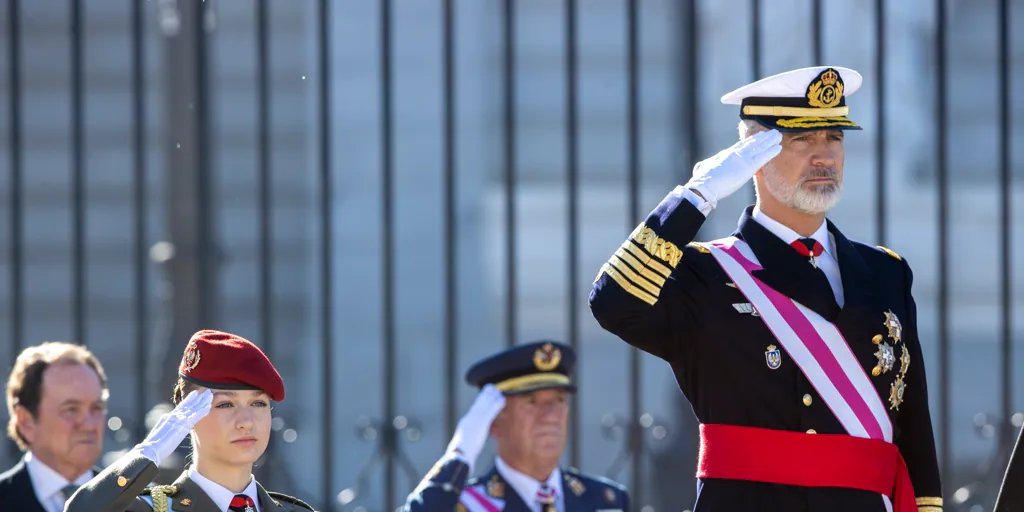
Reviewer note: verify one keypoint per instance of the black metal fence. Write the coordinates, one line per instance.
(171, 197)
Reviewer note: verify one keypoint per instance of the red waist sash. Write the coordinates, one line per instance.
(809, 460)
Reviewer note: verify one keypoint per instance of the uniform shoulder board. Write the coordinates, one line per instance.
(289, 499)
(166, 490)
(890, 253)
(595, 478)
(699, 246)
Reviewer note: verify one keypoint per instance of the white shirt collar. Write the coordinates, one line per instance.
(46, 481)
(525, 485)
(789, 236)
(219, 494)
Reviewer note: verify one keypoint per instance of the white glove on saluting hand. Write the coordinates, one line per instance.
(172, 427)
(719, 176)
(473, 428)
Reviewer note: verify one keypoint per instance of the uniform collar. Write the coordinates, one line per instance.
(789, 236)
(525, 486)
(220, 495)
(46, 481)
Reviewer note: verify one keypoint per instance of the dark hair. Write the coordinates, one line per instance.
(181, 389)
(25, 384)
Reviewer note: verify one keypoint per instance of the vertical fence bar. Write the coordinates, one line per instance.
(264, 200)
(450, 240)
(1005, 179)
(572, 185)
(510, 170)
(14, 201)
(816, 39)
(943, 241)
(633, 155)
(691, 66)
(387, 221)
(326, 287)
(755, 38)
(140, 312)
(880, 133)
(78, 285)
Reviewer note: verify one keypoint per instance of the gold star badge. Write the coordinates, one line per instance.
(904, 360)
(896, 390)
(893, 324)
(886, 359)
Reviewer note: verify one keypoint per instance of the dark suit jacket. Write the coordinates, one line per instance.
(16, 490)
(671, 298)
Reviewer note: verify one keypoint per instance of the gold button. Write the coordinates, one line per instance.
(812, 431)
(808, 400)
(122, 481)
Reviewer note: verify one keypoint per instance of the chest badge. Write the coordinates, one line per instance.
(886, 357)
(895, 327)
(896, 390)
(773, 356)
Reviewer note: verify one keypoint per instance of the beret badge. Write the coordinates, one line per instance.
(190, 360)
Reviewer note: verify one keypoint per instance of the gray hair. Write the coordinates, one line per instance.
(749, 127)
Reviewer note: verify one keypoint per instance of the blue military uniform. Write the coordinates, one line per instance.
(669, 296)
(522, 369)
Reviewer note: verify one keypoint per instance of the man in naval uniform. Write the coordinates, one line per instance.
(797, 348)
(523, 405)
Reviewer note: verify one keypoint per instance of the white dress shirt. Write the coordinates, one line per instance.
(219, 494)
(828, 262)
(527, 487)
(48, 484)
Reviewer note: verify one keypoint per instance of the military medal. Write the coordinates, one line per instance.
(896, 390)
(893, 324)
(886, 359)
(773, 356)
(904, 360)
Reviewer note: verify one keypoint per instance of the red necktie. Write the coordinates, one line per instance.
(242, 503)
(808, 247)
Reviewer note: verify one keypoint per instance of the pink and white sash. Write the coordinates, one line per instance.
(475, 499)
(815, 345)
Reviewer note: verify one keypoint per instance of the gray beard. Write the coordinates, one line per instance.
(819, 200)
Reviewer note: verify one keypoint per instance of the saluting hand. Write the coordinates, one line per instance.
(719, 176)
(473, 428)
(172, 427)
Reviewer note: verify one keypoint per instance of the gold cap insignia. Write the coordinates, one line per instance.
(191, 358)
(547, 357)
(826, 91)
(496, 488)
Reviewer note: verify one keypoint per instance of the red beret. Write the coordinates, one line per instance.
(221, 360)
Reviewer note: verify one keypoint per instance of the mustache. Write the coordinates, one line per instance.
(821, 172)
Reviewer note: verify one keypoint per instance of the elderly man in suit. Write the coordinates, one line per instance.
(57, 404)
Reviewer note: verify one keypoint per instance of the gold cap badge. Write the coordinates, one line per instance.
(826, 91)
(547, 357)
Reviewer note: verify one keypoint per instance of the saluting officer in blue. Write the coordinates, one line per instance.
(524, 405)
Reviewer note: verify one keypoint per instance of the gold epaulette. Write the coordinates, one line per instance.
(890, 253)
(699, 246)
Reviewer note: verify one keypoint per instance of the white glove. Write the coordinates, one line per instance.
(473, 428)
(719, 176)
(172, 427)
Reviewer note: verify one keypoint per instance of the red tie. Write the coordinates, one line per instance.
(808, 247)
(242, 503)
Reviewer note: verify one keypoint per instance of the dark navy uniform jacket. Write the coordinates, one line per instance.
(447, 487)
(718, 352)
